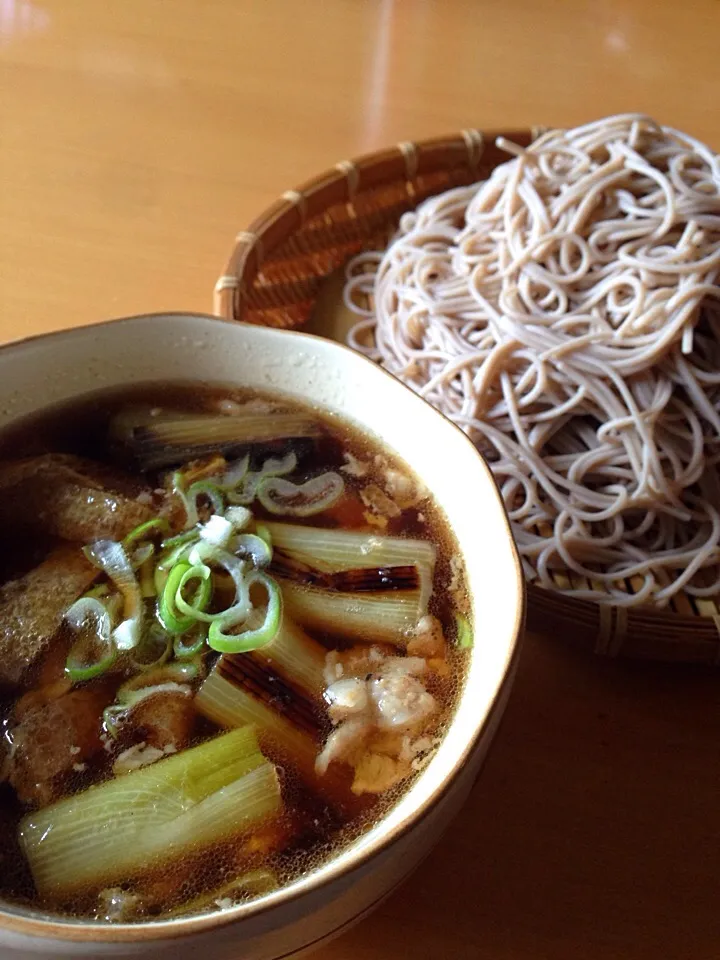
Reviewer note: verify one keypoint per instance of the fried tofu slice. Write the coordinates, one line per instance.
(71, 498)
(32, 608)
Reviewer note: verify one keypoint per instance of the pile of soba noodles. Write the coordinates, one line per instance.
(564, 313)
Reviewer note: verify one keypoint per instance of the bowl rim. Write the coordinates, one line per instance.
(96, 932)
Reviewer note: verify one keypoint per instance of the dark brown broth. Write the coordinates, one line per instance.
(317, 831)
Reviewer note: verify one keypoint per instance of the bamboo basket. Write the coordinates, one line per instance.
(280, 266)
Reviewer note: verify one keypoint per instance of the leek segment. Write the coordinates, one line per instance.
(227, 704)
(295, 657)
(177, 437)
(333, 551)
(367, 617)
(151, 816)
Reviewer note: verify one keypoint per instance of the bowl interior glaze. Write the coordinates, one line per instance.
(55, 368)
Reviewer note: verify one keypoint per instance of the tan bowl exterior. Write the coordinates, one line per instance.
(50, 369)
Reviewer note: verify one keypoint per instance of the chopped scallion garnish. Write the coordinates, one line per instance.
(146, 530)
(252, 639)
(94, 651)
(464, 632)
(173, 621)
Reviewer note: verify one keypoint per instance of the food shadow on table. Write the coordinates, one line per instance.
(591, 832)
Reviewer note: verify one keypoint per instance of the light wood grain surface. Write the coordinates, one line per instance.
(136, 139)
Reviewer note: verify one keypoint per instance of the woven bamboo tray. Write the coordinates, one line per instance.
(283, 272)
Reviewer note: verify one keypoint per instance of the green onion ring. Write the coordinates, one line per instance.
(196, 609)
(209, 490)
(166, 606)
(250, 639)
(197, 639)
(78, 666)
(168, 612)
(153, 650)
(143, 530)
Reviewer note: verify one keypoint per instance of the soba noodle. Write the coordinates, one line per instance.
(563, 314)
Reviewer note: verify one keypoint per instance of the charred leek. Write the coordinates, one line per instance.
(363, 616)
(173, 437)
(226, 703)
(334, 551)
(295, 657)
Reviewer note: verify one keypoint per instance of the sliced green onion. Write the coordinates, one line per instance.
(204, 488)
(234, 474)
(249, 885)
(196, 609)
(160, 577)
(114, 606)
(249, 639)
(154, 648)
(148, 588)
(282, 496)
(246, 491)
(168, 613)
(145, 530)
(166, 608)
(190, 497)
(239, 517)
(172, 678)
(131, 698)
(187, 536)
(190, 644)
(464, 632)
(218, 530)
(168, 561)
(206, 553)
(79, 669)
(279, 466)
(112, 719)
(127, 634)
(100, 590)
(253, 547)
(140, 555)
(111, 558)
(94, 652)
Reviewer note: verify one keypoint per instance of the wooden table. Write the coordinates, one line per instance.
(136, 139)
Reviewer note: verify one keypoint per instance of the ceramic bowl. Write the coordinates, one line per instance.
(47, 370)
